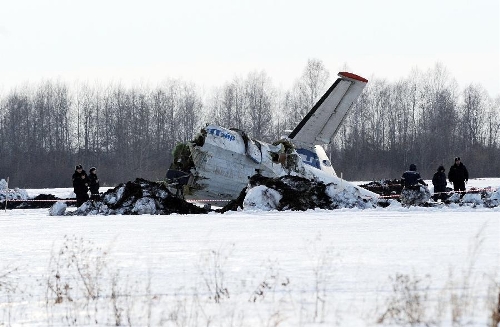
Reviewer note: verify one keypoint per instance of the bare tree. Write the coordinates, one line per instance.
(189, 111)
(314, 81)
(227, 107)
(472, 126)
(493, 123)
(164, 105)
(131, 133)
(306, 91)
(16, 131)
(258, 99)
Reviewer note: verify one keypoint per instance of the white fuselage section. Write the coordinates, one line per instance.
(228, 158)
(224, 162)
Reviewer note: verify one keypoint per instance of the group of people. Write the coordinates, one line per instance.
(82, 183)
(457, 175)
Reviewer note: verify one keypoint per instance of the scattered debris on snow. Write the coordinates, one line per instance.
(385, 187)
(11, 194)
(391, 189)
(295, 193)
(262, 193)
(138, 198)
(19, 199)
(487, 197)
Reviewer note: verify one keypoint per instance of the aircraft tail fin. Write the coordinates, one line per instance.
(322, 122)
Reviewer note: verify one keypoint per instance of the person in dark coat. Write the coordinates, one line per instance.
(411, 177)
(80, 185)
(413, 193)
(458, 175)
(439, 182)
(93, 184)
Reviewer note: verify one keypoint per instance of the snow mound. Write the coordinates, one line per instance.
(492, 199)
(415, 195)
(58, 209)
(472, 198)
(348, 197)
(140, 197)
(295, 193)
(262, 198)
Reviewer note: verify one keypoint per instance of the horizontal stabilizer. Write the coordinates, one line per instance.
(322, 122)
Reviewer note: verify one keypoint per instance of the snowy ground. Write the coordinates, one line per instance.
(347, 267)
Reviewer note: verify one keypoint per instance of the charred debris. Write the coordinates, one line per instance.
(295, 193)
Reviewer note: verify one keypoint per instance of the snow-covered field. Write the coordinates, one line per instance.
(347, 267)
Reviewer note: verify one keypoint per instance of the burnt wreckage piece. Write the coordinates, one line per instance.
(139, 197)
(298, 194)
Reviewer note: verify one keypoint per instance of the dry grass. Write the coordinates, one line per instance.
(407, 305)
(83, 286)
(456, 303)
(494, 305)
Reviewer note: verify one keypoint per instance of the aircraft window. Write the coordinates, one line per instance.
(274, 156)
(327, 163)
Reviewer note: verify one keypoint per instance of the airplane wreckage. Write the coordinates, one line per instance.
(217, 164)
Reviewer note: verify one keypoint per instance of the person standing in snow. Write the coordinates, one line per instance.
(93, 184)
(458, 175)
(413, 193)
(439, 182)
(411, 177)
(80, 185)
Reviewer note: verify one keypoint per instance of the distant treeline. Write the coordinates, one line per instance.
(48, 128)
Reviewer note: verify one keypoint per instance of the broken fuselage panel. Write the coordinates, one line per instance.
(224, 159)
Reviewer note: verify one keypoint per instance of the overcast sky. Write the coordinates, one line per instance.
(209, 42)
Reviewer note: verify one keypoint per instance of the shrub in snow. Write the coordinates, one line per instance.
(58, 209)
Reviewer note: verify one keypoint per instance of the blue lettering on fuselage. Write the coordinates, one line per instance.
(309, 157)
(218, 132)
